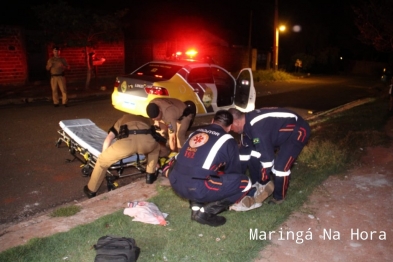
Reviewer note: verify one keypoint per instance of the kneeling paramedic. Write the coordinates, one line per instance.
(272, 139)
(207, 171)
(134, 135)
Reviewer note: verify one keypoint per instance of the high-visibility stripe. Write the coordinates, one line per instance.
(281, 173)
(247, 187)
(214, 150)
(255, 154)
(245, 157)
(267, 164)
(272, 114)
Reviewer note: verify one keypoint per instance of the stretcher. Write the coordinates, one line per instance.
(84, 140)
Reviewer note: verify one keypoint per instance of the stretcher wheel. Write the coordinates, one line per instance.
(58, 143)
(111, 183)
(86, 171)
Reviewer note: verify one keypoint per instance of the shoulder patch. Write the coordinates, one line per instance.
(198, 140)
(255, 141)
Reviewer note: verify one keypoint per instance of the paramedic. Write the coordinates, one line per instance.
(264, 132)
(173, 117)
(207, 171)
(133, 136)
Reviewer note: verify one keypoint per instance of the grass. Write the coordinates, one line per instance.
(65, 211)
(335, 145)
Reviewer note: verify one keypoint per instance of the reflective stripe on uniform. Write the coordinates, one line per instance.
(273, 114)
(214, 150)
(267, 164)
(245, 157)
(281, 173)
(255, 154)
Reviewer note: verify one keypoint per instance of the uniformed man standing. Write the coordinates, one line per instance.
(57, 66)
(133, 136)
(174, 119)
(272, 139)
(207, 171)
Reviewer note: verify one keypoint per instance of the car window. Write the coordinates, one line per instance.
(222, 78)
(157, 70)
(200, 75)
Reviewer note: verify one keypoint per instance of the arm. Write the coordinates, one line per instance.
(108, 140)
(49, 64)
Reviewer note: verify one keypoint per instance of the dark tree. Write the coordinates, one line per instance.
(374, 19)
(77, 27)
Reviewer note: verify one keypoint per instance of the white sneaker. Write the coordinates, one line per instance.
(247, 203)
(263, 191)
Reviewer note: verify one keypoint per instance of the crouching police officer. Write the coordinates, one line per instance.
(173, 117)
(207, 171)
(133, 136)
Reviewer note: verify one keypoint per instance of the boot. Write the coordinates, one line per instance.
(217, 207)
(208, 219)
(195, 207)
(89, 193)
(150, 178)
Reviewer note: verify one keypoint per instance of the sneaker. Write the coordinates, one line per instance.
(274, 201)
(263, 191)
(208, 219)
(247, 203)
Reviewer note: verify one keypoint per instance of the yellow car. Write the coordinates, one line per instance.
(209, 86)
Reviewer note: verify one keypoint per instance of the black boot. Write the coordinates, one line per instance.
(195, 207)
(207, 215)
(89, 193)
(209, 219)
(150, 178)
(217, 207)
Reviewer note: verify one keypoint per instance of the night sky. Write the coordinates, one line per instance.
(328, 22)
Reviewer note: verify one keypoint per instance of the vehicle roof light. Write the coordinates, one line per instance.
(191, 53)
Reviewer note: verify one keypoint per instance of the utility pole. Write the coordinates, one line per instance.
(249, 42)
(276, 32)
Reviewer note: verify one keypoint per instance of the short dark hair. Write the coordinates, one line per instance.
(223, 118)
(237, 114)
(152, 110)
(56, 48)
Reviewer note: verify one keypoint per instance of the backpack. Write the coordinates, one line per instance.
(116, 249)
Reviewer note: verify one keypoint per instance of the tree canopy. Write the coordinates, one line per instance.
(374, 19)
(64, 24)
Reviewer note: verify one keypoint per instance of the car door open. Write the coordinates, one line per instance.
(245, 91)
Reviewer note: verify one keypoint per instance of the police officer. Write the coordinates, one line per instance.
(133, 136)
(174, 119)
(57, 66)
(263, 132)
(207, 171)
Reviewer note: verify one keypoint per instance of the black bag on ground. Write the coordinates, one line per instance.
(116, 249)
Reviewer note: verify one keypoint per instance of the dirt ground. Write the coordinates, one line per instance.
(348, 218)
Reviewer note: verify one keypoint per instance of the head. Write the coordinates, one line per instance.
(239, 119)
(153, 111)
(224, 119)
(56, 50)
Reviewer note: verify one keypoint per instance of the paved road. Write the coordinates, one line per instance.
(36, 176)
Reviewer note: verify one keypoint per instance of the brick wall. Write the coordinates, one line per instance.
(13, 66)
(76, 58)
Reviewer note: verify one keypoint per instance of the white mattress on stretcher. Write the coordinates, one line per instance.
(89, 136)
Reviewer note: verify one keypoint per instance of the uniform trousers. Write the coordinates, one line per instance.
(123, 148)
(61, 82)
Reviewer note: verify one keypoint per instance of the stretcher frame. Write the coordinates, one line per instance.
(84, 140)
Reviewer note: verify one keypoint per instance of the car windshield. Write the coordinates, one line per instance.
(157, 70)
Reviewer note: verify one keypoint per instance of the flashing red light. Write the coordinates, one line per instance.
(156, 90)
(191, 53)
